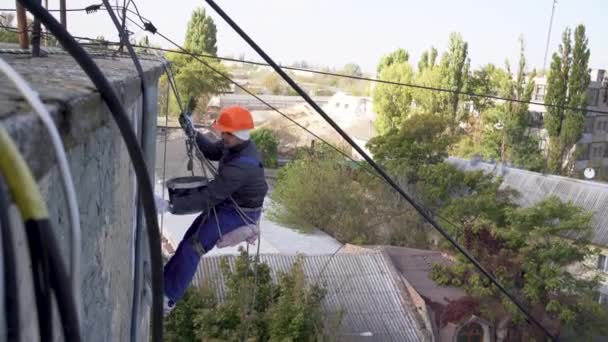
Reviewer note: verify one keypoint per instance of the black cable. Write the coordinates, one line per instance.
(152, 29)
(139, 164)
(88, 9)
(377, 167)
(253, 95)
(137, 279)
(376, 80)
(148, 26)
(11, 295)
(363, 166)
(41, 278)
(59, 279)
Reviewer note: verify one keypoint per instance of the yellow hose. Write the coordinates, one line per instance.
(20, 180)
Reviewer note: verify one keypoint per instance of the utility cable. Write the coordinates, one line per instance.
(363, 166)
(3, 291)
(227, 77)
(139, 164)
(417, 206)
(65, 175)
(164, 177)
(358, 78)
(423, 212)
(137, 263)
(11, 298)
(48, 269)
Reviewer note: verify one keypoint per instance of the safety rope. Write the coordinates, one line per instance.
(164, 177)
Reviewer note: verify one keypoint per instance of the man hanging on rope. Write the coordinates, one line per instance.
(231, 202)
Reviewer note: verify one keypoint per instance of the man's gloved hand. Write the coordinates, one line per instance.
(185, 120)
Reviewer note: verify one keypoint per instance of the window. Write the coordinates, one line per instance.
(471, 332)
(346, 106)
(597, 151)
(540, 93)
(602, 263)
(337, 104)
(594, 95)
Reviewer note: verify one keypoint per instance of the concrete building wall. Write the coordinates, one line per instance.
(103, 177)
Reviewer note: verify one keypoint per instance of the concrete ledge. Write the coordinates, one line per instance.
(73, 101)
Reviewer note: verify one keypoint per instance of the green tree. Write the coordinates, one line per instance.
(201, 33)
(392, 103)
(352, 69)
(195, 82)
(268, 145)
(321, 189)
(180, 325)
(455, 64)
(526, 250)
(567, 86)
(398, 56)
(427, 59)
(518, 145)
(6, 35)
(274, 84)
(290, 310)
(420, 140)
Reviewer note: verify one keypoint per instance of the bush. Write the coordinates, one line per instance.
(288, 311)
(268, 145)
(321, 189)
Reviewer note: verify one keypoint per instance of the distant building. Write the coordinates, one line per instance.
(593, 146)
(279, 101)
(356, 115)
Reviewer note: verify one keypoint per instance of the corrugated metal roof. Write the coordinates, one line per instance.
(534, 187)
(363, 286)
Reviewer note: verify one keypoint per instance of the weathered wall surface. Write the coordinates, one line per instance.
(102, 172)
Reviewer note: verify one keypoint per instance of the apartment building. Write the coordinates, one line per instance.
(593, 146)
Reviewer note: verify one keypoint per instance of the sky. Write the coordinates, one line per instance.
(336, 32)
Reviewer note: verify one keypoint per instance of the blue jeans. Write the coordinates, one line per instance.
(199, 239)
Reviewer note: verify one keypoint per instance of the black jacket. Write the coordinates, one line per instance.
(239, 175)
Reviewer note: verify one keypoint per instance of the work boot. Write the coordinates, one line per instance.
(168, 306)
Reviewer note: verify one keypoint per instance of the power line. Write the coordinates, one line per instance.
(363, 166)
(147, 22)
(227, 78)
(378, 168)
(419, 208)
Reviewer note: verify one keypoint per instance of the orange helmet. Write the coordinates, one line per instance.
(233, 119)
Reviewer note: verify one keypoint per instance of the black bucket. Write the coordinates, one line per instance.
(185, 194)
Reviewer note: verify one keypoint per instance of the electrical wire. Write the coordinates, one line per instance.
(48, 270)
(11, 295)
(344, 154)
(65, 175)
(226, 77)
(422, 211)
(139, 164)
(363, 166)
(137, 263)
(164, 177)
(3, 290)
(358, 78)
